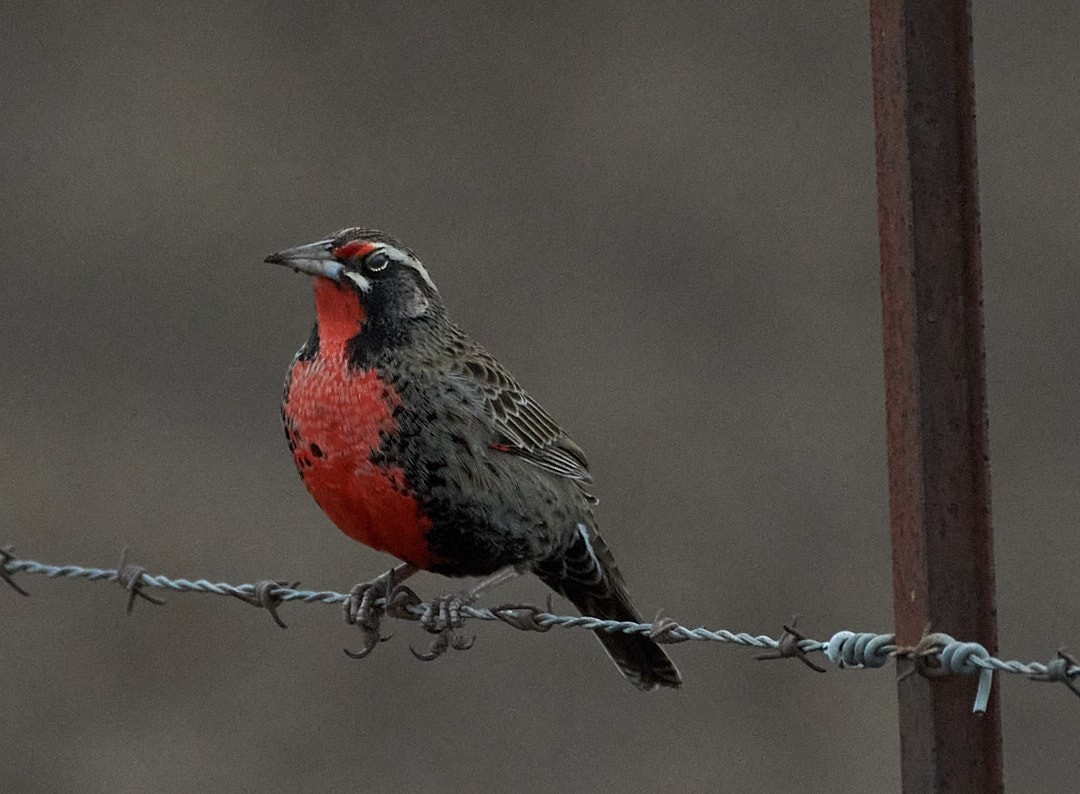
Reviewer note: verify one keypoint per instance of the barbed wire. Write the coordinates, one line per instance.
(936, 654)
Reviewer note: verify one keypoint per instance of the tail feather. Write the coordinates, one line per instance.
(586, 574)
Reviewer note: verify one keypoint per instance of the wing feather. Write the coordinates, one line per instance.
(524, 427)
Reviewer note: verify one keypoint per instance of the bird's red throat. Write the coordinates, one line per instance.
(341, 317)
(336, 415)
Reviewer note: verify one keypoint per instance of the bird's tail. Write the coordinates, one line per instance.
(586, 574)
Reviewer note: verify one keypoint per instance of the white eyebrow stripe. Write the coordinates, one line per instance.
(419, 268)
(412, 262)
(359, 280)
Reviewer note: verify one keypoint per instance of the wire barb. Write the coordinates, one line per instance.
(265, 595)
(1063, 668)
(7, 555)
(791, 646)
(130, 578)
(523, 617)
(664, 630)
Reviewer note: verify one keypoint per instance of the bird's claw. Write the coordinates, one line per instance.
(369, 602)
(446, 639)
(443, 618)
(371, 639)
(364, 610)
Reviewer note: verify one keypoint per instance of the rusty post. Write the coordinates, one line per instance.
(935, 387)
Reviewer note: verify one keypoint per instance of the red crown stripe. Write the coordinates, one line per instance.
(354, 250)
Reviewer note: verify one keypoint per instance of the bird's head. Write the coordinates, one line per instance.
(364, 271)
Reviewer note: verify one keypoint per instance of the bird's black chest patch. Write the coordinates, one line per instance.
(488, 509)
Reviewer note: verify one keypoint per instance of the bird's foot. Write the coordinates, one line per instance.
(443, 618)
(445, 612)
(361, 611)
(369, 601)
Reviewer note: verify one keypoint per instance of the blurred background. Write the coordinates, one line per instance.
(662, 220)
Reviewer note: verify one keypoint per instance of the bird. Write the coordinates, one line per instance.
(416, 442)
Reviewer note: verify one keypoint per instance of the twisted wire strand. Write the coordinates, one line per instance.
(937, 654)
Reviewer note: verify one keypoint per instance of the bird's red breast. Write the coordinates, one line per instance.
(335, 416)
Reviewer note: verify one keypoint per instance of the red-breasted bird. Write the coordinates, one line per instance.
(416, 442)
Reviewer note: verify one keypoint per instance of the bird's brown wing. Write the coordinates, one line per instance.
(525, 428)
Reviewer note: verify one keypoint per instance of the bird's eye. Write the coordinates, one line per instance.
(376, 261)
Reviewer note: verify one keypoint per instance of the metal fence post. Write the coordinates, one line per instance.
(931, 289)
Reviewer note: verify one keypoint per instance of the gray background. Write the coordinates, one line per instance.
(661, 218)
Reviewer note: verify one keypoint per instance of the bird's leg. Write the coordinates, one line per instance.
(361, 609)
(497, 578)
(444, 616)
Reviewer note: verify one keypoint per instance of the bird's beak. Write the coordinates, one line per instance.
(316, 259)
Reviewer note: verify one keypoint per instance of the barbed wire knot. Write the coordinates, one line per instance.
(939, 654)
(958, 657)
(860, 650)
(130, 578)
(923, 656)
